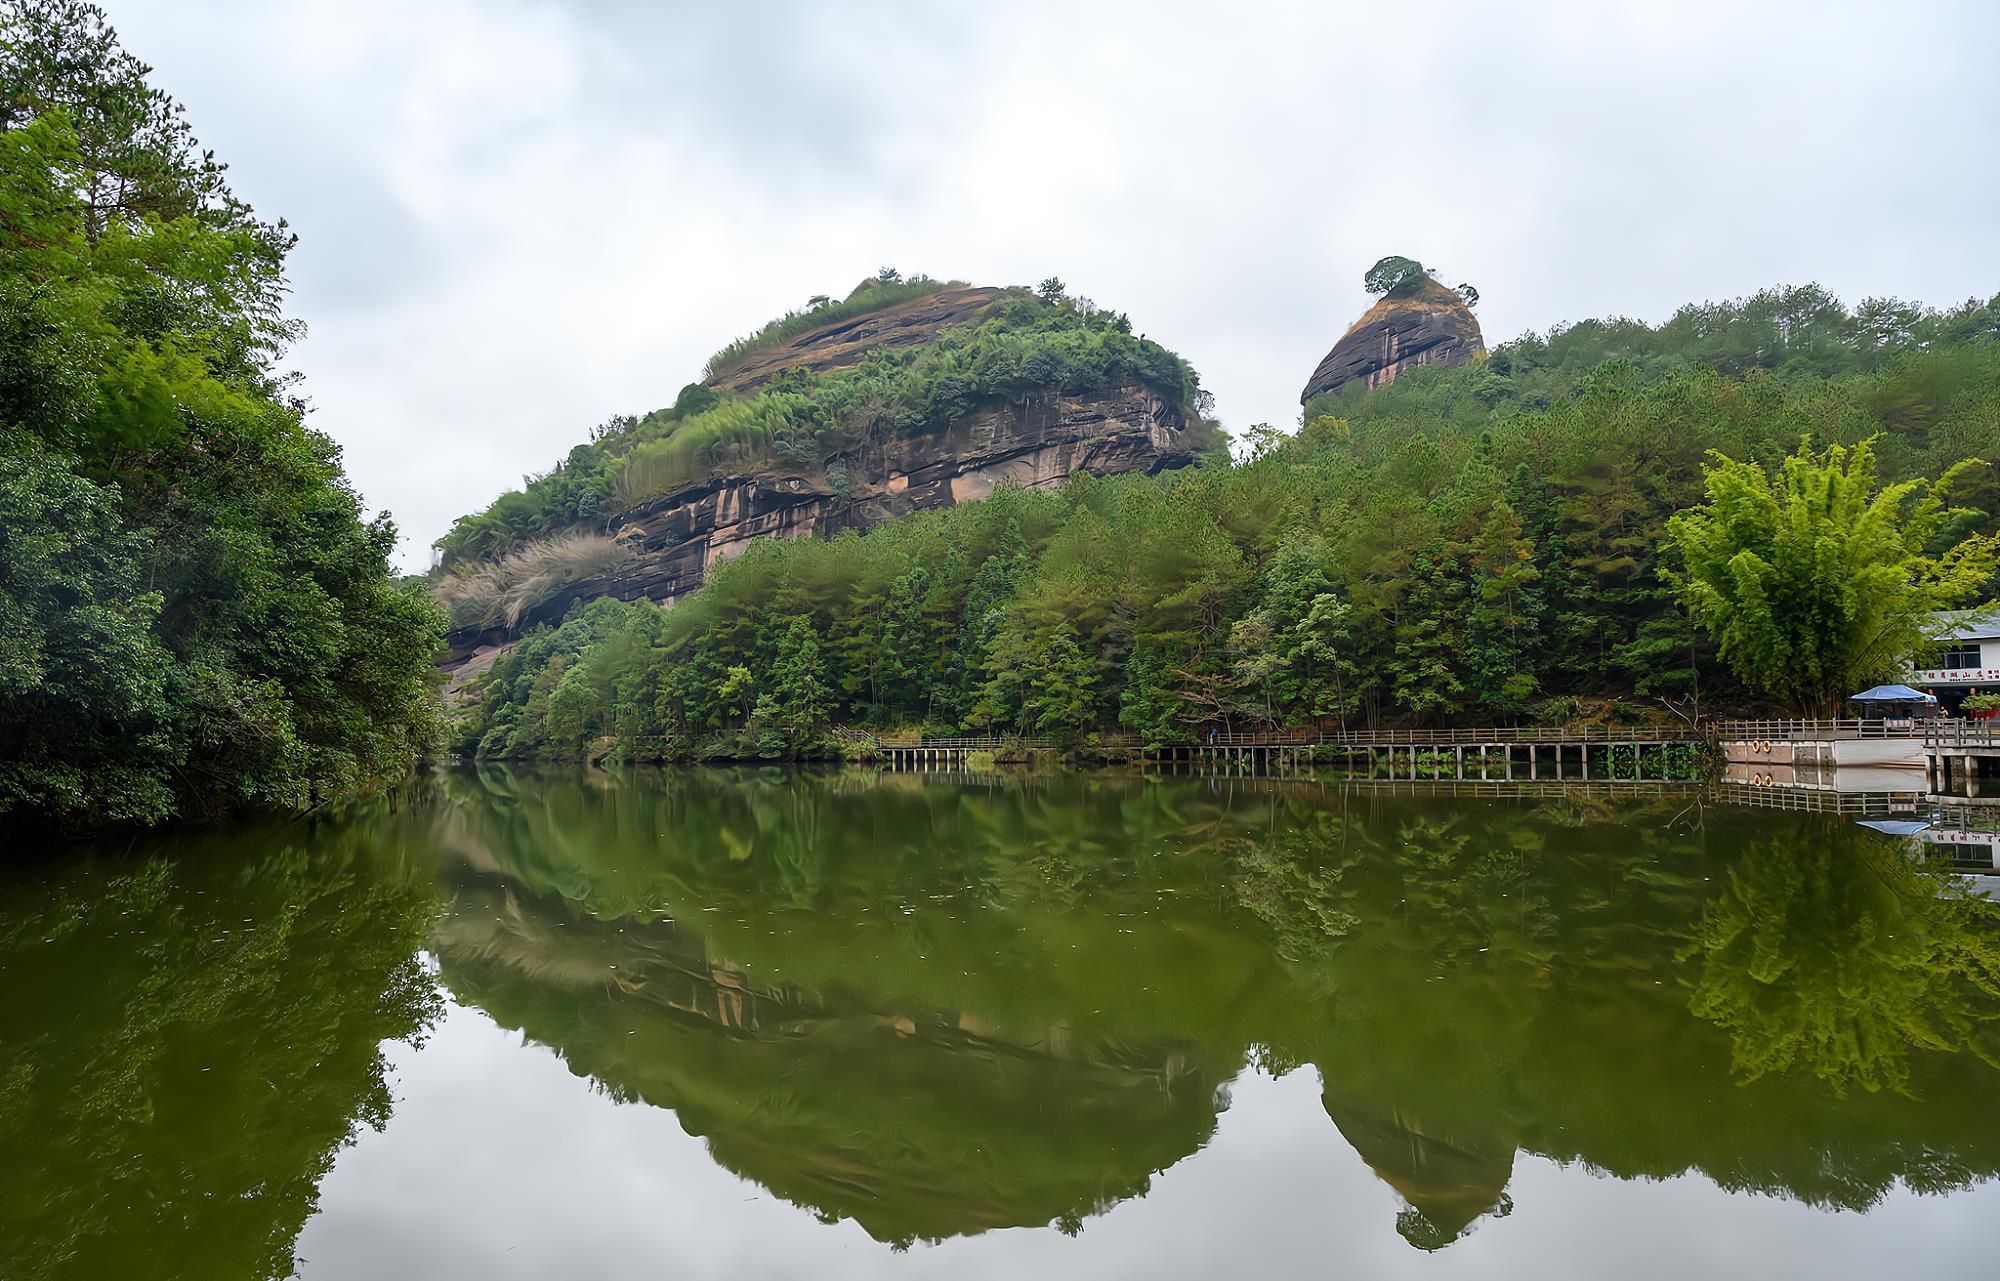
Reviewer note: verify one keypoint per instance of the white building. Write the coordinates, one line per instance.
(1968, 652)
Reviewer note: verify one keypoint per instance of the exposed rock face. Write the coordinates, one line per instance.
(1429, 325)
(845, 342)
(1036, 442)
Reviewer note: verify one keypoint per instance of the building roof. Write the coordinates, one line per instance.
(1979, 623)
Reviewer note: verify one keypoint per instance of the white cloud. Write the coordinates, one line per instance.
(519, 218)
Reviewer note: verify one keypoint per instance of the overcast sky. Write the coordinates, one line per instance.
(517, 219)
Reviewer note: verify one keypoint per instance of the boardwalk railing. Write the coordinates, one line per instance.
(989, 743)
(1946, 735)
(1490, 737)
(1954, 732)
(1817, 730)
(1967, 748)
(1493, 738)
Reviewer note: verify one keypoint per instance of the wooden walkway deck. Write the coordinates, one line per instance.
(1497, 755)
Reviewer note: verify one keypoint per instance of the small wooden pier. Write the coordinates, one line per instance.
(1967, 750)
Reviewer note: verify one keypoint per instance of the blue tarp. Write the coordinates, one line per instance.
(1893, 694)
(1895, 826)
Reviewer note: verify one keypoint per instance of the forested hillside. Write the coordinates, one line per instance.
(906, 395)
(194, 618)
(1481, 543)
(1021, 344)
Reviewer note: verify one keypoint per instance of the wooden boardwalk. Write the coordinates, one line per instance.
(1487, 755)
(1824, 730)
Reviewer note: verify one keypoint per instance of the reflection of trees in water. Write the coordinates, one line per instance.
(1524, 990)
(1468, 947)
(1833, 952)
(187, 1043)
(1462, 884)
(1469, 978)
(939, 1009)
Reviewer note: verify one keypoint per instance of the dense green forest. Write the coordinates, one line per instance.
(195, 620)
(1488, 542)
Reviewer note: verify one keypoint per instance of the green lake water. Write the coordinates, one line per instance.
(788, 1024)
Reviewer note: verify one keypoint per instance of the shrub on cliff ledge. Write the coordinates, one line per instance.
(873, 294)
(511, 586)
(1024, 347)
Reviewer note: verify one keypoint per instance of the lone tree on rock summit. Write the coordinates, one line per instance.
(1394, 275)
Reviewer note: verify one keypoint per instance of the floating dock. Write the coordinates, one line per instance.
(1822, 744)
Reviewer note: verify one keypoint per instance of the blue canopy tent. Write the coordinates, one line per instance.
(1894, 703)
(1895, 826)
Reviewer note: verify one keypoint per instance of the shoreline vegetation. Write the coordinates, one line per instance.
(1752, 505)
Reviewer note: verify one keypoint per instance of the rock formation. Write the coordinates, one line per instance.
(1428, 324)
(1036, 441)
(1447, 1182)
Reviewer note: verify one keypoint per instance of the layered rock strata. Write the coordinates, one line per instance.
(1036, 442)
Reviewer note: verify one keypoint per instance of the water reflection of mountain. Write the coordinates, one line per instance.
(916, 1123)
(1447, 1181)
(938, 1008)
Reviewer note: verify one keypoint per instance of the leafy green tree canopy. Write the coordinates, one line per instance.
(1816, 582)
(198, 620)
(1393, 275)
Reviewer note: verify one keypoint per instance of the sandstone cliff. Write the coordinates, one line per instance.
(1033, 441)
(1426, 325)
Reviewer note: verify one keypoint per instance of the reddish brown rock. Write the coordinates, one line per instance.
(1428, 325)
(1035, 442)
